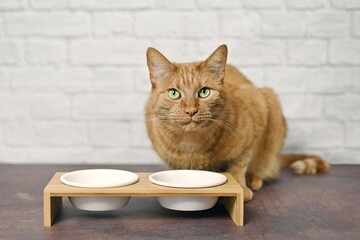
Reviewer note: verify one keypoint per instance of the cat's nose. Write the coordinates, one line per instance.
(191, 111)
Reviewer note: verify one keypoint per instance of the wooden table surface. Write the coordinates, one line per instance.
(294, 207)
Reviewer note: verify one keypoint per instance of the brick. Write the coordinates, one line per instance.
(55, 24)
(103, 52)
(139, 137)
(113, 80)
(263, 4)
(78, 155)
(346, 4)
(163, 24)
(9, 52)
(14, 155)
(50, 5)
(286, 79)
(108, 107)
(70, 80)
(86, 155)
(203, 48)
(240, 24)
(1, 28)
(176, 4)
(45, 154)
(45, 52)
(352, 135)
(50, 107)
(342, 156)
(256, 53)
(4, 81)
(176, 24)
(139, 156)
(343, 107)
(122, 156)
(355, 83)
(305, 4)
(355, 24)
(308, 80)
(10, 4)
(302, 106)
(181, 50)
(254, 74)
(109, 134)
(110, 4)
(13, 107)
(142, 80)
(328, 80)
(307, 52)
(327, 25)
(27, 133)
(207, 22)
(220, 4)
(58, 155)
(2, 138)
(317, 134)
(112, 23)
(343, 52)
(284, 24)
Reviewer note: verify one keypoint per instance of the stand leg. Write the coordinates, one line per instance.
(235, 207)
(52, 206)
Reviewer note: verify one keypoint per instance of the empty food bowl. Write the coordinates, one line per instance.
(99, 178)
(187, 179)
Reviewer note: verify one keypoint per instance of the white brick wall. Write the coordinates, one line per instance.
(73, 76)
(55, 54)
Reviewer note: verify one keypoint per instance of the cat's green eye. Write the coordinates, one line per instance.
(174, 94)
(204, 92)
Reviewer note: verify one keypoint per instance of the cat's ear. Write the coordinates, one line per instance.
(216, 63)
(159, 66)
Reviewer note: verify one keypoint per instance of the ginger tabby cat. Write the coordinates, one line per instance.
(207, 115)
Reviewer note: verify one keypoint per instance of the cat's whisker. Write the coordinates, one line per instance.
(156, 117)
(229, 130)
(226, 127)
(225, 124)
(160, 119)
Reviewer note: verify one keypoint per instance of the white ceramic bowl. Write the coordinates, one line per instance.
(187, 179)
(99, 178)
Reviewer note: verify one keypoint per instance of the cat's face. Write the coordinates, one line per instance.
(188, 95)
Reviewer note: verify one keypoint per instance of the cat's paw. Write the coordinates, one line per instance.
(248, 194)
(303, 167)
(310, 166)
(256, 183)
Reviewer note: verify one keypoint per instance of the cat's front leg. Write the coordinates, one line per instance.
(238, 169)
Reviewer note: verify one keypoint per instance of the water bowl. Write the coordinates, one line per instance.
(187, 179)
(99, 178)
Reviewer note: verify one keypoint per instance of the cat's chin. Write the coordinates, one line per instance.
(192, 126)
(189, 127)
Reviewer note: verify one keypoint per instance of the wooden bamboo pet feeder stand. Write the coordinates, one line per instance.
(231, 191)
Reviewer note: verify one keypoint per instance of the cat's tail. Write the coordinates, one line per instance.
(305, 163)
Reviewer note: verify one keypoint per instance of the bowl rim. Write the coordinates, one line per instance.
(133, 178)
(222, 180)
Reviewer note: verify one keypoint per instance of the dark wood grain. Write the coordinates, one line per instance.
(294, 207)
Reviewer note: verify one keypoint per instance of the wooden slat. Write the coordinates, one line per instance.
(142, 188)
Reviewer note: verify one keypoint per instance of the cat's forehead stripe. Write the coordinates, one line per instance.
(186, 74)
